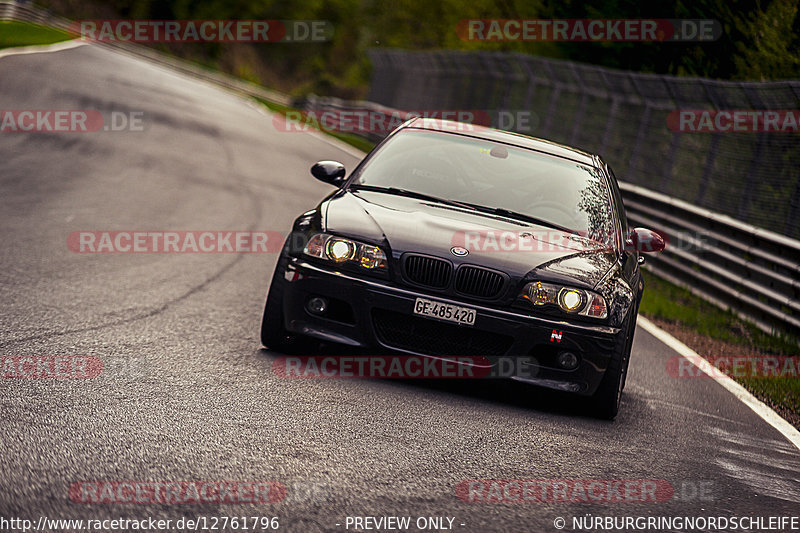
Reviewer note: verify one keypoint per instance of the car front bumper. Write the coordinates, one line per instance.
(378, 315)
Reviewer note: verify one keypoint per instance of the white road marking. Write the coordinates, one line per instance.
(765, 412)
(42, 48)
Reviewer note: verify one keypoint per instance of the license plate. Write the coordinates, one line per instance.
(442, 311)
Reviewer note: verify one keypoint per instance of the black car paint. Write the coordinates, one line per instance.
(400, 224)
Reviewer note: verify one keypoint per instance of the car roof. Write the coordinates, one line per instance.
(507, 137)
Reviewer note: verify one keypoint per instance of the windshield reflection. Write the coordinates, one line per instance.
(486, 173)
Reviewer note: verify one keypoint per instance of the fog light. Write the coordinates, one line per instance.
(317, 306)
(567, 360)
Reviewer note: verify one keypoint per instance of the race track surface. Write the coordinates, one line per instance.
(187, 392)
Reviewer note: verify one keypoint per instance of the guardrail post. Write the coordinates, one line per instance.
(644, 125)
(578, 118)
(669, 163)
(755, 159)
(794, 209)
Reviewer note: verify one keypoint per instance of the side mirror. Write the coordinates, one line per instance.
(645, 240)
(331, 172)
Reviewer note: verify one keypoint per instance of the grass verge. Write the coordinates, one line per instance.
(667, 301)
(709, 330)
(25, 34)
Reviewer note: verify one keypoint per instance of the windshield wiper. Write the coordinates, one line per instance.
(409, 194)
(499, 211)
(503, 212)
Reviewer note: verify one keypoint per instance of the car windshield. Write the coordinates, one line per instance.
(467, 170)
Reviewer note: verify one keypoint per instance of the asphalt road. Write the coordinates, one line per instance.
(187, 393)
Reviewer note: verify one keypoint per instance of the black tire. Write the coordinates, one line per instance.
(273, 332)
(629, 347)
(606, 400)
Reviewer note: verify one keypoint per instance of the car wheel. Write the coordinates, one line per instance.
(273, 332)
(605, 401)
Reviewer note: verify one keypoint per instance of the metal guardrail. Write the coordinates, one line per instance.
(26, 12)
(751, 271)
(314, 103)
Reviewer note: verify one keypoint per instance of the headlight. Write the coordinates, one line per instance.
(568, 299)
(346, 251)
(571, 300)
(340, 250)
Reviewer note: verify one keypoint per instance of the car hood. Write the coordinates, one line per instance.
(517, 248)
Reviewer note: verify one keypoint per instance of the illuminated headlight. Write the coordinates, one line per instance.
(346, 251)
(568, 299)
(340, 250)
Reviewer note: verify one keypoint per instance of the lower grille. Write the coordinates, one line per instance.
(432, 337)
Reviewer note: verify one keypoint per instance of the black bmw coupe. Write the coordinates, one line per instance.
(453, 240)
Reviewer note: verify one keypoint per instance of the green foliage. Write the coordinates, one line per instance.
(24, 34)
(773, 51)
(783, 392)
(760, 39)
